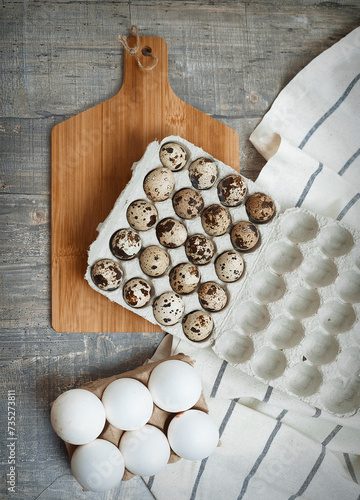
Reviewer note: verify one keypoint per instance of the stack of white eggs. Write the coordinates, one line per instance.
(79, 417)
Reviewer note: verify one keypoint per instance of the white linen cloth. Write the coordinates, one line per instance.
(275, 447)
(315, 124)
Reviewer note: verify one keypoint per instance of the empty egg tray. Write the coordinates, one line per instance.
(292, 318)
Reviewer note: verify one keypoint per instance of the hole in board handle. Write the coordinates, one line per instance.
(146, 51)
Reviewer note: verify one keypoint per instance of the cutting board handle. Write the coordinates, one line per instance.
(140, 82)
(132, 46)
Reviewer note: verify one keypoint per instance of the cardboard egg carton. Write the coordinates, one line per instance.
(290, 320)
(159, 418)
(117, 219)
(297, 315)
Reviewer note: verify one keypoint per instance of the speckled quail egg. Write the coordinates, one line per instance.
(203, 173)
(168, 308)
(199, 249)
(260, 207)
(171, 233)
(141, 215)
(232, 190)
(159, 183)
(154, 261)
(197, 326)
(244, 236)
(173, 156)
(184, 278)
(188, 203)
(106, 274)
(215, 220)
(125, 244)
(137, 292)
(229, 266)
(212, 296)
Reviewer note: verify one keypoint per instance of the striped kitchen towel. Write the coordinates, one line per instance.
(311, 136)
(275, 447)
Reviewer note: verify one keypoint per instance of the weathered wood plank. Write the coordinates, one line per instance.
(25, 155)
(66, 57)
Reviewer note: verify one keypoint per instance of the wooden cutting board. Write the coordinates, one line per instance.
(92, 155)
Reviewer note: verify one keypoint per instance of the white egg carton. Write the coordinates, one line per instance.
(242, 332)
(100, 248)
(297, 314)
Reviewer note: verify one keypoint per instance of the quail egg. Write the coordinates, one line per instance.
(199, 249)
(197, 326)
(141, 215)
(215, 220)
(203, 173)
(232, 190)
(106, 274)
(229, 266)
(212, 296)
(173, 156)
(168, 308)
(260, 207)
(158, 184)
(244, 236)
(184, 278)
(137, 292)
(188, 203)
(154, 261)
(125, 244)
(171, 233)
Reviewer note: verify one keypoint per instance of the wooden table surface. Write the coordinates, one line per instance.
(229, 59)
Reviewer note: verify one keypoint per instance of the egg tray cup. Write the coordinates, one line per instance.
(159, 418)
(241, 329)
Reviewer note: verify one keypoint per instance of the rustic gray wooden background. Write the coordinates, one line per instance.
(58, 57)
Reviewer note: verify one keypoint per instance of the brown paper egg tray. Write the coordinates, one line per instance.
(159, 418)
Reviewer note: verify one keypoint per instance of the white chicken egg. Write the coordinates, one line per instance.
(128, 404)
(174, 385)
(193, 435)
(77, 416)
(98, 466)
(146, 451)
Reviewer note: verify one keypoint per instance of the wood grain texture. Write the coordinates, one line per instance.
(58, 58)
(92, 155)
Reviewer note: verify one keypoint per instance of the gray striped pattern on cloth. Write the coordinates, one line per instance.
(308, 185)
(317, 464)
(262, 455)
(350, 467)
(349, 162)
(330, 111)
(346, 166)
